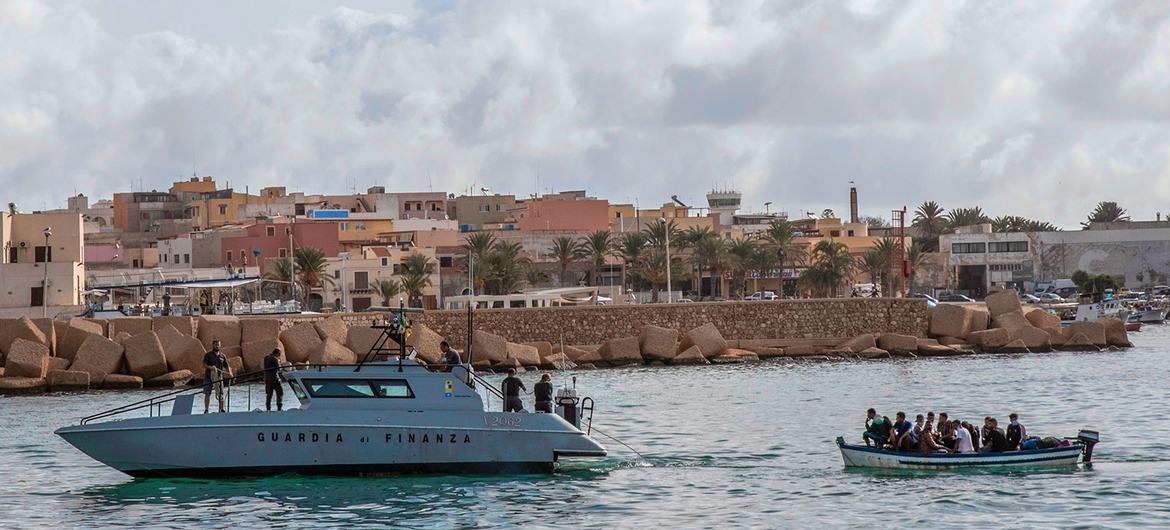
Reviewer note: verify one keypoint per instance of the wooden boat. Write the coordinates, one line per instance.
(871, 457)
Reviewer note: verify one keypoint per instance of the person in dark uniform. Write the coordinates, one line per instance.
(215, 365)
(450, 358)
(272, 381)
(994, 440)
(544, 394)
(512, 387)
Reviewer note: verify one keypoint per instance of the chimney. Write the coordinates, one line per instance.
(853, 204)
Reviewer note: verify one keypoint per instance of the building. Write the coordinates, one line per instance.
(356, 276)
(570, 211)
(1136, 253)
(270, 239)
(175, 252)
(474, 211)
(30, 262)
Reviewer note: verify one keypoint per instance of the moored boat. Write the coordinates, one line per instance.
(1078, 449)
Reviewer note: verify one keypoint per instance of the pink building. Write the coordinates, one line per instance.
(271, 240)
(564, 212)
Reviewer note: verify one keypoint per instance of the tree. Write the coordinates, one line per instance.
(1093, 285)
(740, 252)
(876, 264)
(388, 289)
(931, 223)
(478, 245)
(656, 234)
(874, 221)
(565, 250)
(631, 247)
(651, 268)
(505, 268)
(1107, 212)
(417, 270)
(710, 254)
(282, 276)
(1032, 225)
(312, 269)
(959, 217)
(597, 246)
(780, 238)
(916, 259)
(831, 266)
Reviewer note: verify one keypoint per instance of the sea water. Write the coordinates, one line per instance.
(722, 446)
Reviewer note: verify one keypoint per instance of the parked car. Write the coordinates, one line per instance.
(684, 301)
(954, 297)
(763, 295)
(1030, 299)
(1050, 298)
(930, 300)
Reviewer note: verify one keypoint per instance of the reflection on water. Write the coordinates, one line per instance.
(724, 446)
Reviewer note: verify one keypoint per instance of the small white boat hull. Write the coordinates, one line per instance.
(862, 456)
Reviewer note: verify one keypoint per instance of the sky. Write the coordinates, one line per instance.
(1039, 109)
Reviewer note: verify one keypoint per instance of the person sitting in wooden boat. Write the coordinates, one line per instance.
(877, 429)
(974, 434)
(905, 438)
(930, 420)
(1016, 433)
(946, 433)
(962, 438)
(994, 440)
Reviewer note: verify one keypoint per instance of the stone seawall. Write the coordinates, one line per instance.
(782, 319)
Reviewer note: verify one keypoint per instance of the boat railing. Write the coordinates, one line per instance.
(492, 390)
(155, 403)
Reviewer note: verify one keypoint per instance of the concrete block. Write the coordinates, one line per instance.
(1094, 331)
(594, 357)
(426, 342)
(254, 329)
(625, 350)
(17, 386)
(67, 380)
(361, 340)
(332, 328)
(1043, 320)
(77, 331)
(708, 338)
(573, 353)
(1034, 339)
(21, 328)
(144, 355)
(1011, 320)
(803, 350)
(953, 341)
(1005, 301)
(121, 382)
(300, 341)
(897, 342)
(858, 343)
(1015, 346)
(659, 343)
(770, 353)
(949, 320)
(1115, 334)
(877, 353)
(183, 352)
(935, 351)
(27, 358)
(131, 325)
(176, 379)
(332, 352)
(489, 347)
(254, 353)
(98, 356)
(543, 347)
(49, 330)
(58, 363)
(1075, 342)
(526, 355)
(557, 361)
(692, 355)
(184, 325)
(990, 339)
(226, 328)
(978, 318)
(235, 365)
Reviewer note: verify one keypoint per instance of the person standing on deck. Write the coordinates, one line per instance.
(512, 387)
(214, 366)
(544, 394)
(450, 358)
(272, 381)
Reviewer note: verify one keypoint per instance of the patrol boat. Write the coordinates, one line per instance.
(368, 418)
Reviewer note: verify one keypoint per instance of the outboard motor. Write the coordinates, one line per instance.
(1089, 438)
(567, 401)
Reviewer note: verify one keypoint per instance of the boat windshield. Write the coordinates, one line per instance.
(358, 388)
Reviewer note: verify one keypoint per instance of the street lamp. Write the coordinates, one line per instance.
(666, 229)
(48, 231)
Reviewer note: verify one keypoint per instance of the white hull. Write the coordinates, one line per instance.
(861, 456)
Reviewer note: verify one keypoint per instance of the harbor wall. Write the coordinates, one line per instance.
(780, 319)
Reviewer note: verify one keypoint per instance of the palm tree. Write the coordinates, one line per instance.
(417, 270)
(916, 259)
(958, 217)
(631, 247)
(656, 234)
(780, 237)
(929, 220)
(1107, 212)
(651, 268)
(1032, 225)
(505, 268)
(312, 269)
(282, 276)
(710, 254)
(388, 289)
(565, 250)
(887, 247)
(740, 251)
(478, 245)
(761, 261)
(831, 266)
(876, 264)
(597, 246)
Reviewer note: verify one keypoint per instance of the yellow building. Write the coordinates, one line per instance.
(27, 258)
(356, 230)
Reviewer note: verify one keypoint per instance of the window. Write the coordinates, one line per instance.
(361, 280)
(385, 262)
(283, 252)
(1008, 246)
(223, 209)
(835, 233)
(164, 258)
(485, 208)
(43, 254)
(38, 297)
(359, 226)
(12, 255)
(323, 388)
(229, 256)
(186, 258)
(435, 207)
(497, 207)
(344, 226)
(177, 258)
(849, 233)
(271, 231)
(393, 388)
(1006, 267)
(968, 248)
(134, 264)
(360, 304)
(445, 261)
(337, 274)
(398, 269)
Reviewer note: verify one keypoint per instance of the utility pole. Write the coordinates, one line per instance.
(666, 229)
(45, 284)
(292, 277)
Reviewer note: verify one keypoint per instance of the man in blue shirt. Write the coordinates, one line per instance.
(905, 439)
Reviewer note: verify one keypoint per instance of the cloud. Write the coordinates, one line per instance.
(1028, 109)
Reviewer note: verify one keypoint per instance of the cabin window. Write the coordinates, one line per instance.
(340, 388)
(393, 388)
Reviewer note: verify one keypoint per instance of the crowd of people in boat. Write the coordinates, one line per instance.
(948, 435)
